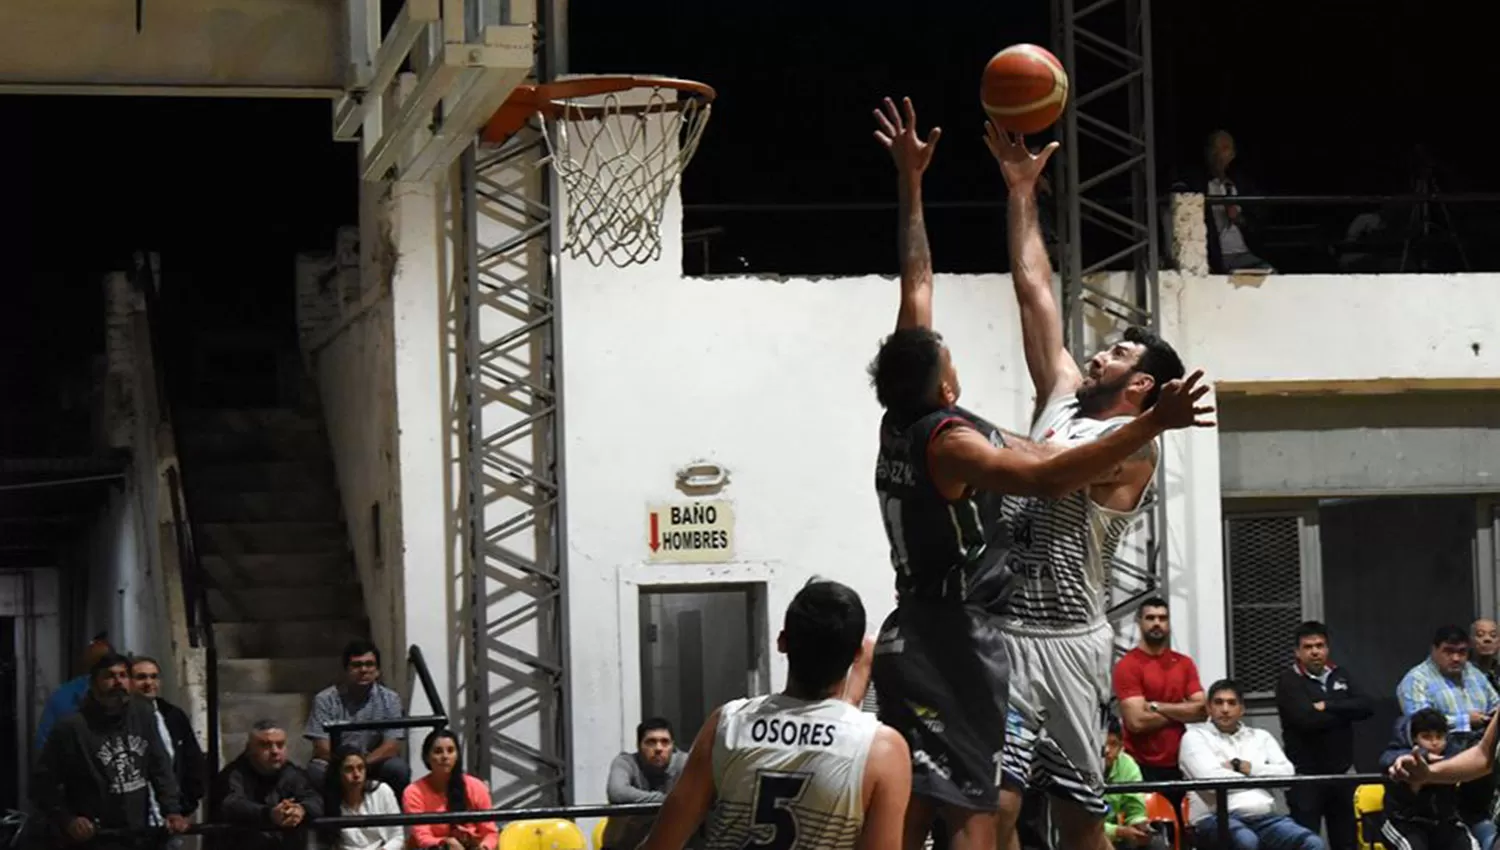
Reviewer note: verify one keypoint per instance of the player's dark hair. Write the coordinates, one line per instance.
(824, 627)
(651, 724)
(1152, 602)
(1311, 628)
(906, 370)
(1115, 728)
(1450, 634)
(1158, 359)
(1428, 720)
(1225, 685)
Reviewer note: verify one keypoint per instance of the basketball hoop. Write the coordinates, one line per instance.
(618, 145)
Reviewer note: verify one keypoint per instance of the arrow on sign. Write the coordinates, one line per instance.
(655, 538)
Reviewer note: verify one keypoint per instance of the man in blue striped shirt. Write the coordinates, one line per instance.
(1447, 682)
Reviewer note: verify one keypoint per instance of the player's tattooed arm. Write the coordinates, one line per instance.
(897, 133)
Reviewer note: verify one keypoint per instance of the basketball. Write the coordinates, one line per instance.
(1024, 88)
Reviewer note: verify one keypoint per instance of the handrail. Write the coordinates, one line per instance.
(438, 719)
(194, 586)
(621, 809)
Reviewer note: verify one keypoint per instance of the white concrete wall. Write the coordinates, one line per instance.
(766, 377)
(344, 316)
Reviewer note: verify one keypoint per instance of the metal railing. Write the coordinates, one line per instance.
(194, 582)
(438, 719)
(1221, 806)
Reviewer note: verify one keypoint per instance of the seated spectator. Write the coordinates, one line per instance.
(648, 774)
(447, 788)
(1425, 817)
(350, 792)
(260, 789)
(1447, 682)
(1226, 748)
(1484, 637)
(104, 763)
(68, 697)
(644, 776)
(1126, 824)
(188, 763)
(360, 697)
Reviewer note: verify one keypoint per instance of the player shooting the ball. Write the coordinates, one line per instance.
(941, 673)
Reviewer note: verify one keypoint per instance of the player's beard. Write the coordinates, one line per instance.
(1092, 398)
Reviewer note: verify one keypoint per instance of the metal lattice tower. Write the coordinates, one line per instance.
(505, 234)
(1108, 213)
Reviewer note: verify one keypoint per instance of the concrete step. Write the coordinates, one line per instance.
(257, 476)
(278, 570)
(273, 675)
(279, 604)
(311, 504)
(250, 420)
(270, 538)
(292, 639)
(252, 446)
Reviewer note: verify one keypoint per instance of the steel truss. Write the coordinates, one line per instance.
(1108, 212)
(514, 467)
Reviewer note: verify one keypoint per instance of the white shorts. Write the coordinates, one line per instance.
(1059, 711)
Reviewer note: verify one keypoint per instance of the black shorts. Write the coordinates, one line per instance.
(941, 680)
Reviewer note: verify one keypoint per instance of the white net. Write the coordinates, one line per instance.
(618, 157)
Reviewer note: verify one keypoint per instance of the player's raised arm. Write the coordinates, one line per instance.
(963, 456)
(692, 796)
(887, 791)
(898, 134)
(1053, 370)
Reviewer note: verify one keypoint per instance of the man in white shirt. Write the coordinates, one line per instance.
(1225, 748)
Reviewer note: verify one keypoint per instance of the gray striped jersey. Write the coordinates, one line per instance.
(789, 774)
(1062, 549)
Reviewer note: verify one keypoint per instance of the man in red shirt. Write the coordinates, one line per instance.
(1159, 695)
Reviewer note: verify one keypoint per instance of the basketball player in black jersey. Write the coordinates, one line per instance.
(940, 668)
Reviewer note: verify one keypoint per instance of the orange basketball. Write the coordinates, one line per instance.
(1024, 88)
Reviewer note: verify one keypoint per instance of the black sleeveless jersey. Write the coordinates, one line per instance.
(940, 549)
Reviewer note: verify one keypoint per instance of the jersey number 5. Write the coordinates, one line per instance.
(775, 824)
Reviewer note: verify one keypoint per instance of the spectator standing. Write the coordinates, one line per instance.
(102, 765)
(1227, 748)
(1159, 693)
(360, 697)
(69, 696)
(263, 791)
(1319, 703)
(1485, 638)
(188, 763)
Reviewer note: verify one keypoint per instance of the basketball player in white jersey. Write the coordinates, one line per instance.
(1055, 627)
(805, 768)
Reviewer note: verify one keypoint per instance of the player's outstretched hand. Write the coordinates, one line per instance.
(1410, 768)
(1177, 406)
(898, 135)
(1019, 166)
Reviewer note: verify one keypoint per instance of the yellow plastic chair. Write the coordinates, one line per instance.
(542, 835)
(1369, 815)
(599, 833)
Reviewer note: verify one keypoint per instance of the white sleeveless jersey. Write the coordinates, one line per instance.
(789, 774)
(1063, 548)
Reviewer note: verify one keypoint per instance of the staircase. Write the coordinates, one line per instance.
(282, 587)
